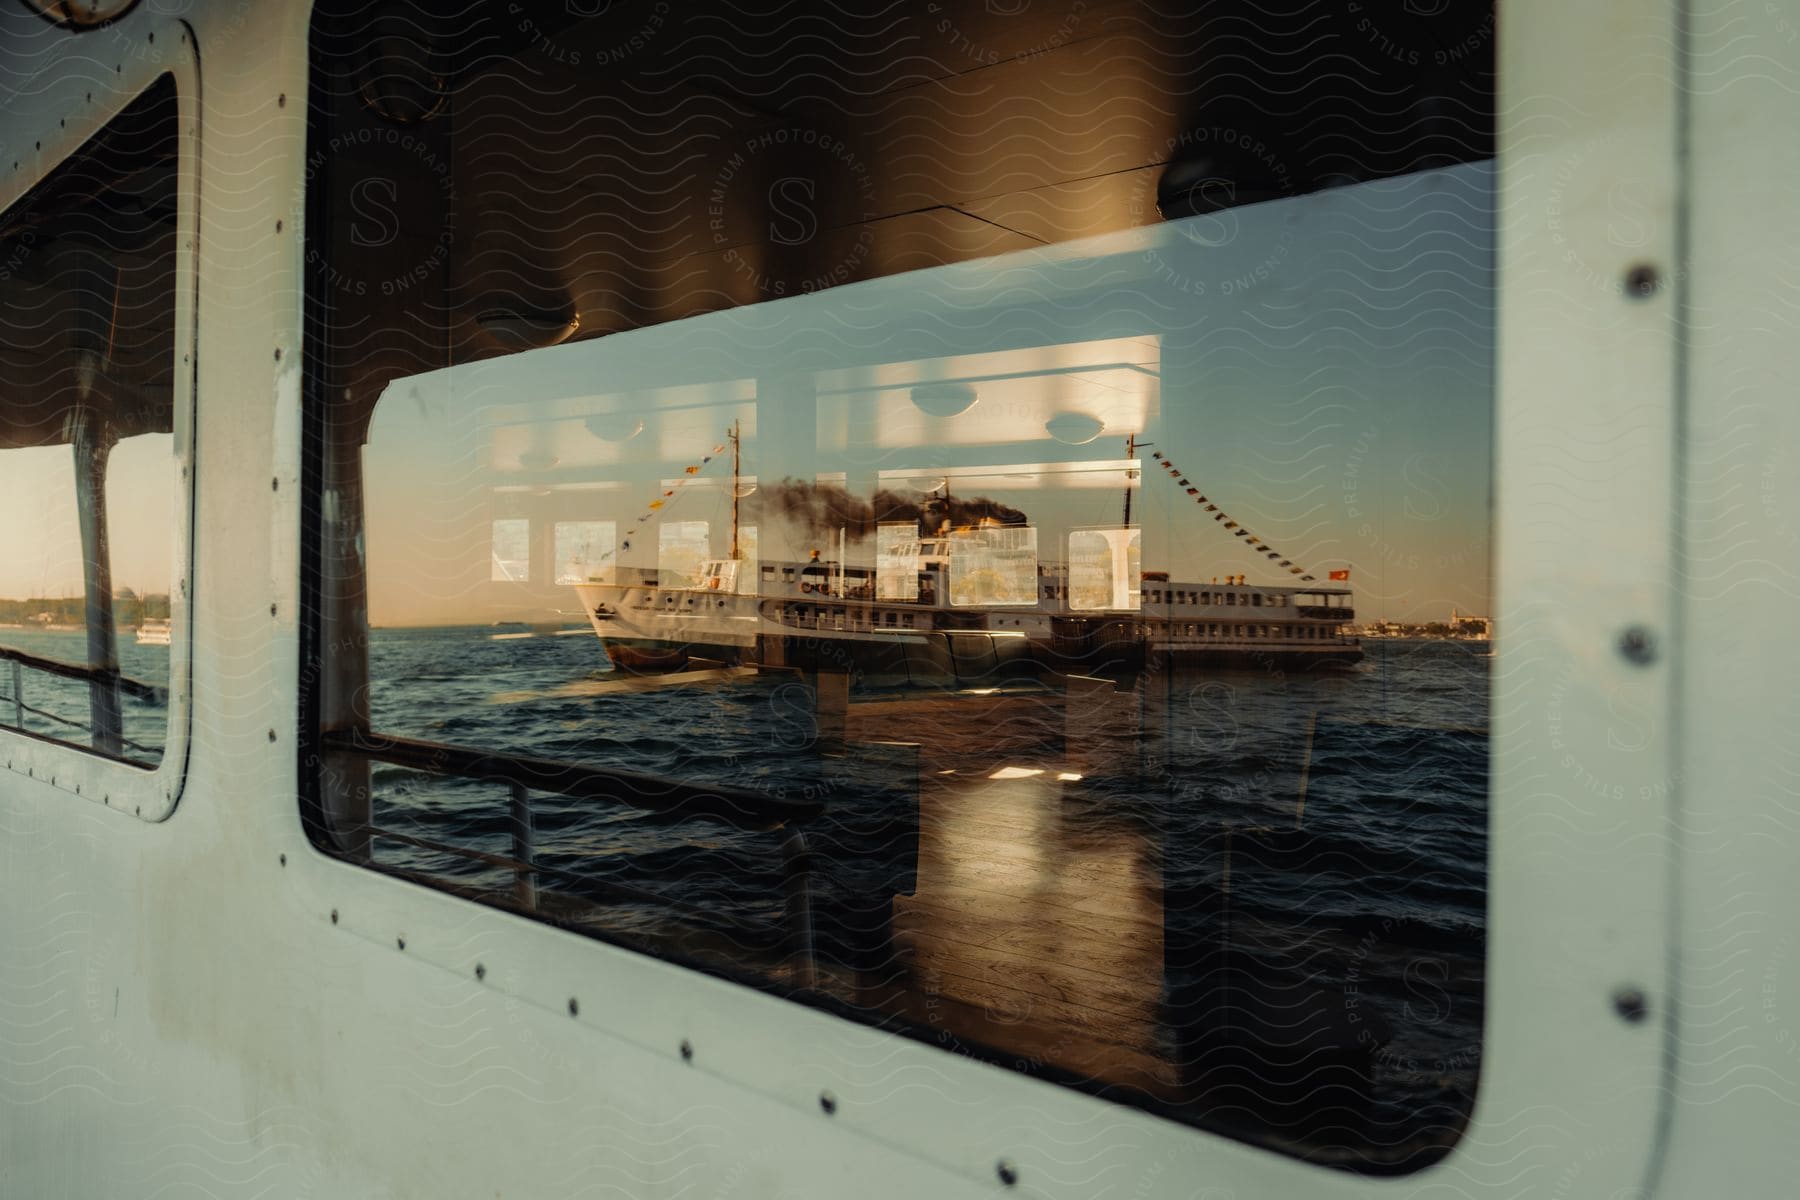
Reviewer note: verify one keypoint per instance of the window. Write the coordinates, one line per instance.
(584, 549)
(90, 466)
(510, 561)
(933, 371)
(993, 565)
(1104, 569)
(682, 545)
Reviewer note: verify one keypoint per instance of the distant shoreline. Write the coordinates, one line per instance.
(63, 628)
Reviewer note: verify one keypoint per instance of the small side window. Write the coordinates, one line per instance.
(90, 474)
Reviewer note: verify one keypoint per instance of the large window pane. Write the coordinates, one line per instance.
(1052, 527)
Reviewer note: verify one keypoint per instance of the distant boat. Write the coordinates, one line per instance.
(508, 631)
(154, 631)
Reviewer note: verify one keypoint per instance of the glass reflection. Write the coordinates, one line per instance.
(1050, 603)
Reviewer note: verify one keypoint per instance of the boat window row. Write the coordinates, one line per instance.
(1307, 633)
(1229, 599)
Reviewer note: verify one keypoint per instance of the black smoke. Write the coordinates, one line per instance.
(822, 509)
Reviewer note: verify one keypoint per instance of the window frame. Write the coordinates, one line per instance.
(1581, 892)
(77, 104)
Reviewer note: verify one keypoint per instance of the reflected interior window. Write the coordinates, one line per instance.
(511, 558)
(89, 478)
(881, 458)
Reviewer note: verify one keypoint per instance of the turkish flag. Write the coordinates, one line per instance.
(1343, 575)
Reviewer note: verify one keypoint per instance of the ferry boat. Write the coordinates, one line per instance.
(154, 631)
(314, 314)
(895, 622)
(815, 613)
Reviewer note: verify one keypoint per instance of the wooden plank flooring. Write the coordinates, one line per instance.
(1035, 934)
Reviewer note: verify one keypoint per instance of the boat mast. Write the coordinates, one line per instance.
(736, 463)
(1132, 445)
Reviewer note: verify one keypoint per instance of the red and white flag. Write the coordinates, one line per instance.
(1343, 575)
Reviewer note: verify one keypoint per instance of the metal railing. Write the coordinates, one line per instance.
(664, 799)
(101, 677)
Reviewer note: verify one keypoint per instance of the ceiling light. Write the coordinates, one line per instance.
(1074, 428)
(943, 399)
(80, 14)
(529, 329)
(614, 427)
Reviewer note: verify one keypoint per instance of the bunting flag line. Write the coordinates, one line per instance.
(667, 499)
(1220, 515)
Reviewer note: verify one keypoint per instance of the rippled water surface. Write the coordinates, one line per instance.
(999, 865)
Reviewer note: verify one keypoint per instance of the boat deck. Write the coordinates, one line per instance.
(1035, 930)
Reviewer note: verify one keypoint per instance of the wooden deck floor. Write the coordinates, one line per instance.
(1035, 935)
(1035, 928)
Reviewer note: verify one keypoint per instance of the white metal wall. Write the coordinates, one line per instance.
(180, 1014)
(1734, 1090)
